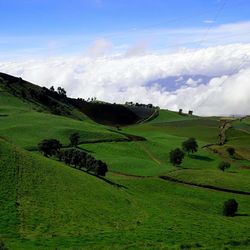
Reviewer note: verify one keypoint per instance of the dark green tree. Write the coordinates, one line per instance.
(176, 156)
(101, 168)
(49, 147)
(52, 88)
(61, 91)
(74, 139)
(190, 145)
(230, 207)
(224, 165)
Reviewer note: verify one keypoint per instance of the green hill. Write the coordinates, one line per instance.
(43, 99)
(144, 202)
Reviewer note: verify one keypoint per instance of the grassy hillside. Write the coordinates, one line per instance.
(48, 205)
(52, 205)
(55, 102)
(22, 124)
(168, 115)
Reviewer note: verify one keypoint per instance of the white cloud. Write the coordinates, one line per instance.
(100, 47)
(137, 49)
(192, 82)
(121, 78)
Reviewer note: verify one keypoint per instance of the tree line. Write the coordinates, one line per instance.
(72, 156)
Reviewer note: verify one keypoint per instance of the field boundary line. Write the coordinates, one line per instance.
(171, 179)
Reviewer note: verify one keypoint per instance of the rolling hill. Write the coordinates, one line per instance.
(143, 202)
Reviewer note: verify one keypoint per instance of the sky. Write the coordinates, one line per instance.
(188, 54)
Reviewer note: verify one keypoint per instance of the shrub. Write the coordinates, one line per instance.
(231, 151)
(176, 156)
(190, 145)
(230, 207)
(224, 165)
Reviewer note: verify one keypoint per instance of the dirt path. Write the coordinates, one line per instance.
(131, 175)
(150, 155)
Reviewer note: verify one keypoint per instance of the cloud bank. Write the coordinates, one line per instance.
(121, 78)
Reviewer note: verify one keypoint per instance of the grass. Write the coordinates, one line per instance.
(148, 158)
(149, 214)
(168, 116)
(230, 179)
(26, 127)
(48, 205)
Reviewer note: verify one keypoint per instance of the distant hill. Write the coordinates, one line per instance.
(51, 101)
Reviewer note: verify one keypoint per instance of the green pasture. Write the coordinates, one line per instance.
(49, 205)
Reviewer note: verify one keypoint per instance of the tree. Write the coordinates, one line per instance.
(101, 168)
(52, 88)
(61, 91)
(190, 145)
(224, 165)
(176, 156)
(230, 207)
(231, 151)
(49, 147)
(74, 139)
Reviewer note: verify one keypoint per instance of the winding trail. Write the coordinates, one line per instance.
(150, 155)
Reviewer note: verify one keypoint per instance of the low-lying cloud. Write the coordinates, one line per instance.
(121, 78)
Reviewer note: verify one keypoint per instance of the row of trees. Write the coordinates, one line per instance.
(73, 156)
(61, 91)
(83, 161)
(139, 104)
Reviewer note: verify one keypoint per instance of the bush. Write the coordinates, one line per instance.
(231, 151)
(230, 207)
(176, 156)
(224, 165)
(190, 145)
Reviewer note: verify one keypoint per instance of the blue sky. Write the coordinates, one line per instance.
(189, 54)
(64, 17)
(70, 26)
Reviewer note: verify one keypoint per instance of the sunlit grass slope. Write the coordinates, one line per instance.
(168, 115)
(48, 205)
(23, 125)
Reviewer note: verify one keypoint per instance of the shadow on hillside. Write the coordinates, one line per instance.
(232, 172)
(84, 149)
(200, 157)
(106, 180)
(241, 215)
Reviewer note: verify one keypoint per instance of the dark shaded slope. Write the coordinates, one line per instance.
(106, 113)
(42, 98)
(50, 101)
